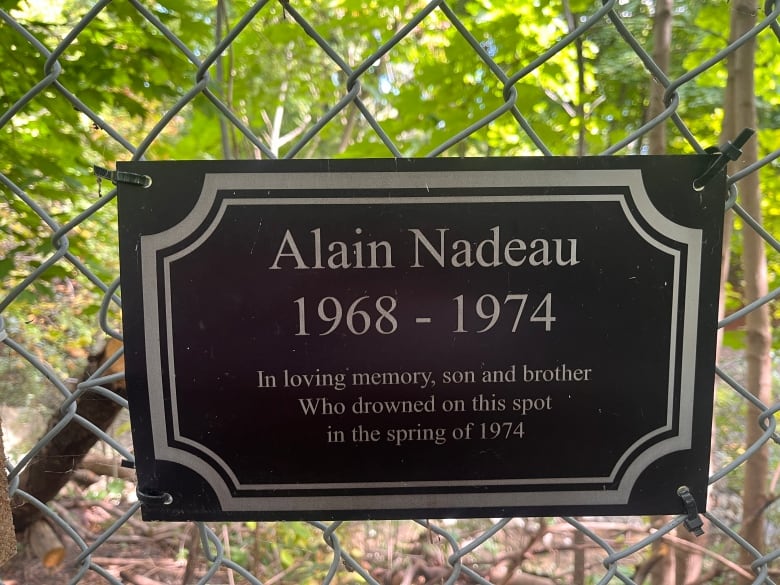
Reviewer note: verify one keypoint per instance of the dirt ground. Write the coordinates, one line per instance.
(138, 553)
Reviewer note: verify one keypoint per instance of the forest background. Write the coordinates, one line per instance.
(86, 84)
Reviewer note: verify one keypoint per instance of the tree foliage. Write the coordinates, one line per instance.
(148, 80)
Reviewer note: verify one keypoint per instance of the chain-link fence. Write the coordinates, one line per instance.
(127, 45)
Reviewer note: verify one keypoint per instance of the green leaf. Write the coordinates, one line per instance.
(6, 265)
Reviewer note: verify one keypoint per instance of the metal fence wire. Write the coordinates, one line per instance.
(347, 552)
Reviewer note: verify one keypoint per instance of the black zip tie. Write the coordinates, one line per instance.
(127, 464)
(693, 522)
(115, 177)
(728, 152)
(154, 498)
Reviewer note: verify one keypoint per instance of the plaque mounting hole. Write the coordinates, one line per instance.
(155, 498)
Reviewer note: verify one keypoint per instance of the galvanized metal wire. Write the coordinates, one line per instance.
(615, 558)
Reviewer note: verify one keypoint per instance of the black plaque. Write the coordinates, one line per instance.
(438, 338)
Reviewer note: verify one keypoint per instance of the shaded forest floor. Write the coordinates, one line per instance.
(138, 553)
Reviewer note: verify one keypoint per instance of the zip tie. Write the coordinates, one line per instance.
(728, 152)
(127, 464)
(693, 522)
(115, 177)
(155, 499)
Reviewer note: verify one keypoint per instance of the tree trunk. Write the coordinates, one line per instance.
(662, 557)
(7, 540)
(579, 108)
(728, 132)
(579, 576)
(757, 323)
(54, 465)
(663, 571)
(662, 47)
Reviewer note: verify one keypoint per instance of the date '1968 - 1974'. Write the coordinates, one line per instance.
(365, 314)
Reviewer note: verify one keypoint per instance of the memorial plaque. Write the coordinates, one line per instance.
(403, 338)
